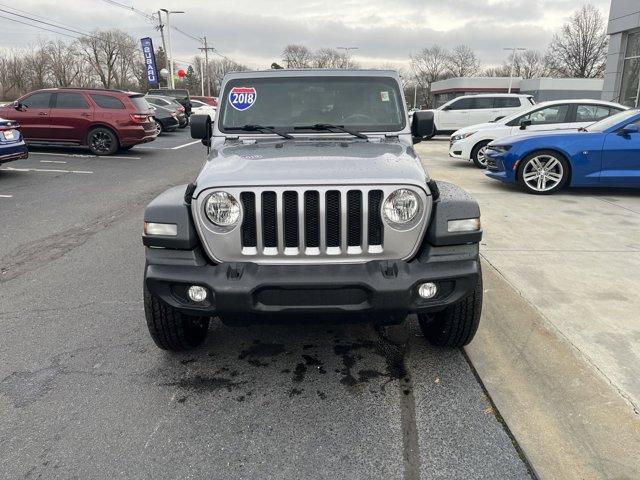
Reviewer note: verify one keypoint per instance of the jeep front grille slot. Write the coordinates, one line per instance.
(354, 218)
(290, 201)
(333, 218)
(375, 220)
(312, 219)
(313, 224)
(269, 220)
(248, 200)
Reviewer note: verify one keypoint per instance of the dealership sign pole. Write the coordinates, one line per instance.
(150, 61)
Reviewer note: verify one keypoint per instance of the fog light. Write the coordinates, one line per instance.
(428, 290)
(197, 293)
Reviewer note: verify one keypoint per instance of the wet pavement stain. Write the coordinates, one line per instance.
(311, 361)
(257, 363)
(295, 392)
(322, 395)
(24, 388)
(299, 373)
(203, 384)
(366, 375)
(261, 350)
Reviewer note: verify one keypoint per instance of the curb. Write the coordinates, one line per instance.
(567, 419)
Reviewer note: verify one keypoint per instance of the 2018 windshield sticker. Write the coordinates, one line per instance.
(242, 98)
(384, 96)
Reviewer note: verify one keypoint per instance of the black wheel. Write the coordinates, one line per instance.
(102, 141)
(170, 329)
(159, 128)
(477, 154)
(543, 172)
(455, 326)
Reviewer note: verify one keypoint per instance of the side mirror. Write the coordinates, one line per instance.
(422, 126)
(524, 124)
(18, 106)
(629, 129)
(201, 128)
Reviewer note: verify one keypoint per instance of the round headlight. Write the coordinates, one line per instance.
(401, 206)
(222, 209)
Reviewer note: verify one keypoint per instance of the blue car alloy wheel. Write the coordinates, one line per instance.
(543, 172)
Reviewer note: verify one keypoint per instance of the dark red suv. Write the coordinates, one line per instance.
(103, 120)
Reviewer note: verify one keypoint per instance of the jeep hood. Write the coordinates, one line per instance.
(311, 162)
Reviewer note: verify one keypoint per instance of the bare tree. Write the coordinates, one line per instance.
(297, 56)
(64, 62)
(429, 65)
(528, 64)
(580, 48)
(462, 62)
(332, 58)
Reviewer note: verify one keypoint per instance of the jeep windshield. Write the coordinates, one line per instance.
(303, 104)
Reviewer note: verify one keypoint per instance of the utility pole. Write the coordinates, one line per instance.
(513, 63)
(201, 77)
(161, 28)
(170, 54)
(206, 49)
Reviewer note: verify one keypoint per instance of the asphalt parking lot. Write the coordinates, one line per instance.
(84, 393)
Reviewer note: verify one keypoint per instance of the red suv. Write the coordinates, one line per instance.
(103, 120)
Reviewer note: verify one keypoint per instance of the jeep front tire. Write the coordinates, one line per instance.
(170, 329)
(455, 326)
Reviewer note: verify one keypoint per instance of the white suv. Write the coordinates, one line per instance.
(471, 109)
(469, 143)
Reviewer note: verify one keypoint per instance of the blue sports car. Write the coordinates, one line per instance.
(12, 146)
(604, 154)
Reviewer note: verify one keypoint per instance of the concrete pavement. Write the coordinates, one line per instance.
(563, 364)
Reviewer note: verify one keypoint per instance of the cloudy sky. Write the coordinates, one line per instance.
(254, 32)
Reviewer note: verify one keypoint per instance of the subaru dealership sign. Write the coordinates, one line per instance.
(149, 61)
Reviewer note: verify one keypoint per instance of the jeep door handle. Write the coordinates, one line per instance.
(85, 115)
(42, 113)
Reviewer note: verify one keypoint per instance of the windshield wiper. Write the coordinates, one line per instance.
(330, 126)
(261, 128)
(582, 129)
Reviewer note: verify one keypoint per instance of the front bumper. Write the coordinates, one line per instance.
(459, 149)
(377, 291)
(13, 151)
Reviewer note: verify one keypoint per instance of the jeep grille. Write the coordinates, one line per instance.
(311, 225)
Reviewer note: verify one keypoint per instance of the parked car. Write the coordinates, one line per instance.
(166, 119)
(323, 212)
(171, 104)
(201, 108)
(103, 120)
(12, 145)
(604, 154)
(181, 95)
(473, 109)
(469, 143)
(213, 101)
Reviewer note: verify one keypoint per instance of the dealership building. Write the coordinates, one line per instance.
(542, 89)
(622, 78)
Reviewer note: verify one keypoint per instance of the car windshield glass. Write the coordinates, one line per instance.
(609, 122)
(360, 103)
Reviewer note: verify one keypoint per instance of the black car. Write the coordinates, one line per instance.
(170, 103)
(166, 119)
(181, 95)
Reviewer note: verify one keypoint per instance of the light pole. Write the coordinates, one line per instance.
(347, 50)
(168, 13)
(513, 62)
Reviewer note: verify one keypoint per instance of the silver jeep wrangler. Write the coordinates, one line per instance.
(312, 206)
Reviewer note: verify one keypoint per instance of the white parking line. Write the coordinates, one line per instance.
(13, 169)
(80, 155)
(185, 145)
(52, 161)
(6, 196)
